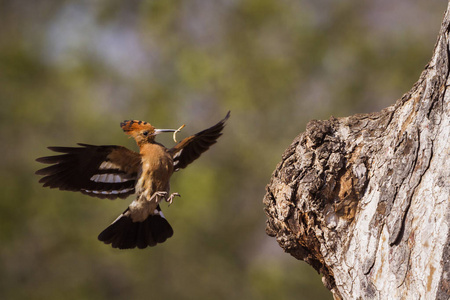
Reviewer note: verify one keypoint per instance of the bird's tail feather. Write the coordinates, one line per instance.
(123, 233)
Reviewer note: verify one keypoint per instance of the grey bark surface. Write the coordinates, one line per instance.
(365, 199)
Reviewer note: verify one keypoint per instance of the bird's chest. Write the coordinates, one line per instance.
(157, 167)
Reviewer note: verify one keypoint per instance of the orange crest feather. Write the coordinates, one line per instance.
(130, 126)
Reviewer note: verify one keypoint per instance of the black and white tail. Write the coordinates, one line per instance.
(123, 233)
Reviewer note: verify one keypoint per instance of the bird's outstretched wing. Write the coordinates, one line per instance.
(98, 171)
(193, 146)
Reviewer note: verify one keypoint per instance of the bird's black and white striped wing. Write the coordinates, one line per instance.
(193, 146)
(99, 171)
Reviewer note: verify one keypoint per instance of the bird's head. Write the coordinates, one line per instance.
(141, 131)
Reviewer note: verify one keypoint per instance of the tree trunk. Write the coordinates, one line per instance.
(365, 199)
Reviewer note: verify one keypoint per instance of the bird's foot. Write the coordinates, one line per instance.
(173, 195)
(157, 196)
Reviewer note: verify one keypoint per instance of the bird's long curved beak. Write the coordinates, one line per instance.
(158, 131)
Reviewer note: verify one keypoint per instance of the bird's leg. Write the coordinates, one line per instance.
(157, 196)
(170, 199)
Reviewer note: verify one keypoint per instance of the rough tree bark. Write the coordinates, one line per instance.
(365, 199)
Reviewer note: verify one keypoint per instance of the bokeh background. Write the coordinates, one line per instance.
(71, 71)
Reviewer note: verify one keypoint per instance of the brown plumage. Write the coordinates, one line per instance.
(117, 172)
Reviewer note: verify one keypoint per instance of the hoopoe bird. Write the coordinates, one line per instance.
(117, 172)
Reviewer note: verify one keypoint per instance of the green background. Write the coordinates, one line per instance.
(71, 71)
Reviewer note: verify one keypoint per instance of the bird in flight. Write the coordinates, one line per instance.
(116, 172)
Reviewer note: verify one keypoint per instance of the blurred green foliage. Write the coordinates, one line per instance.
(70, 71)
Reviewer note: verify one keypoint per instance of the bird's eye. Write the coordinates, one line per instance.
(145, 133)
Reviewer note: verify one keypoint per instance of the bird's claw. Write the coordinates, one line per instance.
(158, 195)
(173, 195)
